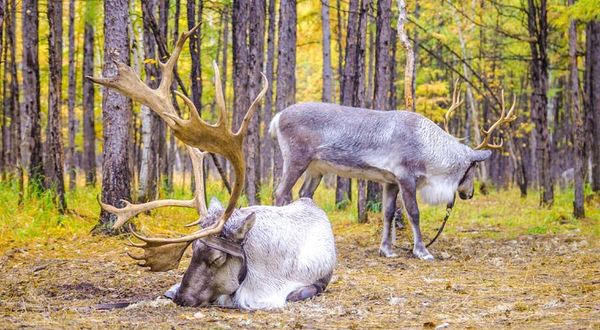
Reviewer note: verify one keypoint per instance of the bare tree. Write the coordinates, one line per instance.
(409, 70)
(286, 69)
(359, 94)
(151, 122)
(54, 162)
(32, 140)
(343, 189)
(89, 117)
(266, 148)
(592, 83)
(248, 58)
(256, 47)
(11, 120)
(383, 75)
(537, 23)
(578, 136)
(196, 72)
(326, 38)
(73, 123)
(116, 176)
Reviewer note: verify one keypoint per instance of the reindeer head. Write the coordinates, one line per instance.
(217, 253)
(218, 264)
(466, 185)
(476, 155)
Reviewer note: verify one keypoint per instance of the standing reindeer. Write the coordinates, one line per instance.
(403, 150)
(256, 257)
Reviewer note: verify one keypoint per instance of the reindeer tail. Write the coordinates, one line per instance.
(274, 126)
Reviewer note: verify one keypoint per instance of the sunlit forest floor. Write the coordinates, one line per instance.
(502, 262)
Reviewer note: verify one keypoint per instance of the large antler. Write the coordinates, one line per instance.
(195, 132)
(456, 102)
(504, 118)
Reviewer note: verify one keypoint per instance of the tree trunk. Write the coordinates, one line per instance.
(359, 95)
(12, 155)
(256, 50)
(410, 60)
(244, 62)
(578, 136)
(73, 123)
(116, 176)
(538, 30)
(196, 72)
(286, 69)
(592, 60)
(172, 149)
(382, 83)
(163, 156)
(31, 112)
(340, 67)
(89, 117)
(151, 122)
(326, 39)
(267, 143)
(343, 189)
(54, 148)
(392, 100)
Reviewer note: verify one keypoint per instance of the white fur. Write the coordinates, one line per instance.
(446, 159)
(274, 126)
(436, 190)
(288, 248)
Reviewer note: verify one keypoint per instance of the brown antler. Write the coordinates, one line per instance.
(130, 210)
(456, 102)
(193, 132)
(504, 118)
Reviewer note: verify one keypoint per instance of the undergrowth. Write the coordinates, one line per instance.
(500, 214)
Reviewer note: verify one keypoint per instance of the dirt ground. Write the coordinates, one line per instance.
(532, 281)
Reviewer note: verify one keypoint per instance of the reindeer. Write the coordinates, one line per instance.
(403, 150)
(256, 257)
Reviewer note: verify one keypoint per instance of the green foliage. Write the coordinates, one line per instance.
(501, 213)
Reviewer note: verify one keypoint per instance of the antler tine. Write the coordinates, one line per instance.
(167, 68)
(194, 114)
(198, 202)
(130, 210)
(505, 117)
(456, 102)
(219, 96)
(197, 157)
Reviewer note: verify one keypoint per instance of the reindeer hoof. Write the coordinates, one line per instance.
(428, 258)
(423, 254)
(387, 252)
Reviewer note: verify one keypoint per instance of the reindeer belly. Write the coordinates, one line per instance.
(358, 172)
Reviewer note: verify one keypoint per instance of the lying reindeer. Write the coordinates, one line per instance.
(256, 257)
(403, 150)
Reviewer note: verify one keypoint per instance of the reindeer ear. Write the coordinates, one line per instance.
(247, 224)
(214, 206)
(480, 155)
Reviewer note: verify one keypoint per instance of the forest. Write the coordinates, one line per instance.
(85, 147)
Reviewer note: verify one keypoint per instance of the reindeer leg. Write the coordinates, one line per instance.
(390, 191)
(311, 182)
(309, 291)
(292, 171)
(409, 197)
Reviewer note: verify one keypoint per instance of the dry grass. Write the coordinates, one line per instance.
(503, 264)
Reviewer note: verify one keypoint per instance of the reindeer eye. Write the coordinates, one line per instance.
(218, 259)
